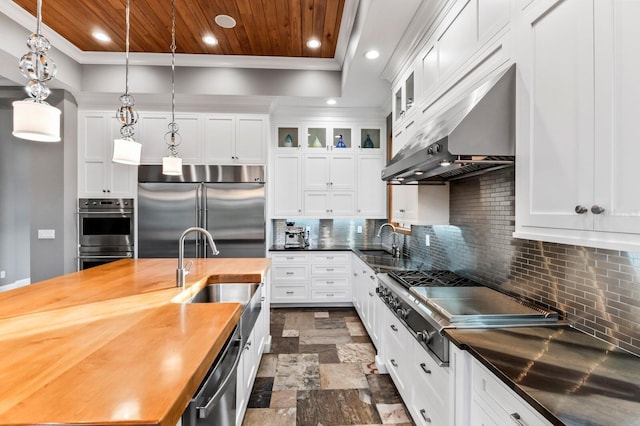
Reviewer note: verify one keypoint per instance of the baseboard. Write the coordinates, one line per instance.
(17, 284)
(382, 369)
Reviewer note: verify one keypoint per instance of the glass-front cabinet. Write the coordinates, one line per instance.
(369, 141)
(342, 138)
(288, 137)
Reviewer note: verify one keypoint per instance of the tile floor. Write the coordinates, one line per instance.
(321, 372)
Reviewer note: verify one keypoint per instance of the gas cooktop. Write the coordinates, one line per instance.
(430, 278)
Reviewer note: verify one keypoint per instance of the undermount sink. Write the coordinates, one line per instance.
(378, 252)
(226, 292)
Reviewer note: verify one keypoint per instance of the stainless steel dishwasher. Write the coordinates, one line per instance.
(214, 403)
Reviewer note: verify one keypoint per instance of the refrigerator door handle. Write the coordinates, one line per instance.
(203, 220)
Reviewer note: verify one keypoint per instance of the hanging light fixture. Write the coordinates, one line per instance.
(33, 118)
(172, 164)
(126, 150)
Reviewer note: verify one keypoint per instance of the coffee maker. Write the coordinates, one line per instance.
(295, 236)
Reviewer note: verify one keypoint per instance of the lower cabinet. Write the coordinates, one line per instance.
(311, 277)
(493, 403)
(365, 298)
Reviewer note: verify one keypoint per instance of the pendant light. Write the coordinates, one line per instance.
(126, 150)
(33, 118)
(172, 164)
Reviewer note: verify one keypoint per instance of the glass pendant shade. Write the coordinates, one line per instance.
(36, 121)
(127, 151)
(172, 166)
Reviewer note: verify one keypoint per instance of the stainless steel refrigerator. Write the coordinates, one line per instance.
(228, 201)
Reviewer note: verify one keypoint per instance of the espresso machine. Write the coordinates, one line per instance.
(295, 236)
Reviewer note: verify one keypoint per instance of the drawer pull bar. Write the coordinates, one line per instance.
(516, 419)
(329, 282)
(289, 257)
(289, 292)
(394, 363)
(423, 413)
(329, 269)
(289, 273)
(370, 294)
(424, 368)
(394, 328)
(329, 294)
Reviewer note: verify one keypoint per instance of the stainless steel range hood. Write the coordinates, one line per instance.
(477, 134)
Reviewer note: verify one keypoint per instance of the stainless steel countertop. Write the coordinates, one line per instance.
(570, 377)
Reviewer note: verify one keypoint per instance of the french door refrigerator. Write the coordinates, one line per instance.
(228, 201)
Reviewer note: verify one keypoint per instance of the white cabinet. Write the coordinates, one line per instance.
(372, 191)
(365, 298)
(493, 403)
(152, 128)
(396, 357)
(311, 277)
(329, 172)
(287, 185)
(234, 139)
(430, 389)
(98, 176)
(329, 203)
(576, 123)
(420, 204)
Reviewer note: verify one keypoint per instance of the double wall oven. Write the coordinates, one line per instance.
(105, 231)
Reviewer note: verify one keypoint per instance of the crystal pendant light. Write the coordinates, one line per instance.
(33, 118)
(126, 150)
(172, 164)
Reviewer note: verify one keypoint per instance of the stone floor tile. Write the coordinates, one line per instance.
(299, 320)
(324, 336)
(321, 314)
(356, 352)
(270, 417)
(336, 407)
(361, 339)
(290, 333)
(393, 413)
(284, 345)
(356, 329)
(283, 399)
(297, 372)
(330, 323)
(370, 368)
(382, 389)
(267, 365)
(342, 376)
(327, 354)
(352, 319)
(261, 393)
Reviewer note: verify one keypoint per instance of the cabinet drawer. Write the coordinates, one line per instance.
(494, 396)
(289, 257)
(331, 295)
(430, 389)
(289, 272)
(289, 293)
(330, 257)
(318, 270)
(330, 283)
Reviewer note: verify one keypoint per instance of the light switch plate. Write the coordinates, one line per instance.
(359, 229)
(427, 240)
(3, 274)
(46, 234)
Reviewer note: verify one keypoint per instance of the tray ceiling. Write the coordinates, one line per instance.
(278, 28)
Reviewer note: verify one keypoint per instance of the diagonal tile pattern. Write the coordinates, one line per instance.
(322, 371)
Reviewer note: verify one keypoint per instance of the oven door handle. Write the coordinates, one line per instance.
(203, 412)
(105, 257)
(103, 213)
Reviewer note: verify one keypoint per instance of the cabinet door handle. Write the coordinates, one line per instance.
(424, 368)
(370, 294)
(394, 328)
(580, 209)
(596, 209)
(516, 419)
(372, 277)
(394, 363)
(423, 413)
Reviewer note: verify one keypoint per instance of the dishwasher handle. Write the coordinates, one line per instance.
(204, 412)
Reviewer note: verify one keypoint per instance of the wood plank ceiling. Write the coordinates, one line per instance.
(264, 27)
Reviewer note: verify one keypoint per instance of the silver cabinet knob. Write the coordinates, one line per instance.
(596, 209)
(580, 209)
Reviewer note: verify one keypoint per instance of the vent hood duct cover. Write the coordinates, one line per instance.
(476, 134)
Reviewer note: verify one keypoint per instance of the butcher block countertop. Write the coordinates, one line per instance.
(113, 344)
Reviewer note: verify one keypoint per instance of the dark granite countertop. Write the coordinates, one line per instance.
(313, 247)
(570, 377)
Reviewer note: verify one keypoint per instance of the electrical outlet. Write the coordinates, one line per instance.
(427, 240)
(3, 274)
(359, 229)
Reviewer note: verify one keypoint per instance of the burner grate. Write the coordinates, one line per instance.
(432, 278)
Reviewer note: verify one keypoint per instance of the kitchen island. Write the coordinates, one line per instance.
(113, 344)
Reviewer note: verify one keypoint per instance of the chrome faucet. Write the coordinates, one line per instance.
(395, 250)
(182, 272)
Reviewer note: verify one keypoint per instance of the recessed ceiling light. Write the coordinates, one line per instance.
(372, 54)
(313, 43)
(99, 35)
(331, 101)
(225, 21)
(209, 39)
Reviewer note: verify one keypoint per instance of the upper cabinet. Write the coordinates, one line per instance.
(576, 134)
(152, 128)
(328, 171)
(98, 176)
